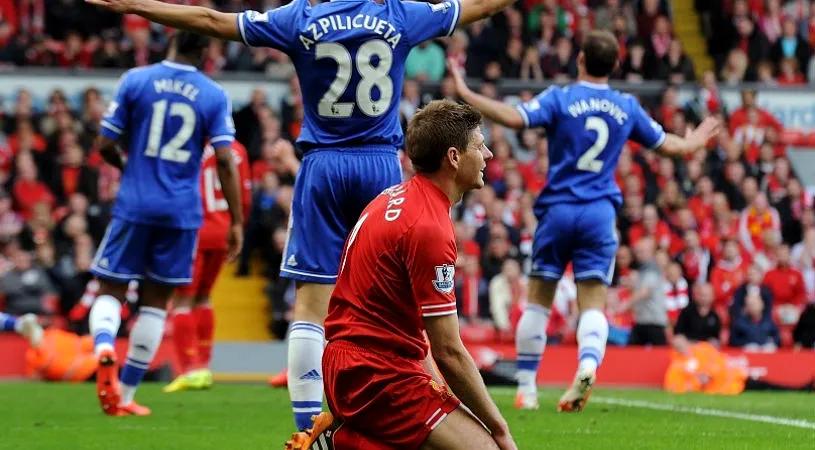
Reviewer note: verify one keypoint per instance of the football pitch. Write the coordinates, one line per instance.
(251, 416)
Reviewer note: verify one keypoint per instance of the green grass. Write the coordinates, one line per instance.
(248, 417)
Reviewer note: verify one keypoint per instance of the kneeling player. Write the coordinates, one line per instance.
(395, 283)
(193, 319)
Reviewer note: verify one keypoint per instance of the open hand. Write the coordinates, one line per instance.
(707, 130)
(119, 6)
(457, 76)
(234, 242)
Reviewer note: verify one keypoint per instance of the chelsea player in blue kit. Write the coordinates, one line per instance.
(168, 112)
(350, 58)
(587, 124)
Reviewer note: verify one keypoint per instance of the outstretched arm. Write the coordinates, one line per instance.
(196, 19)
(475, 10)
(693, 141)
(494, 110)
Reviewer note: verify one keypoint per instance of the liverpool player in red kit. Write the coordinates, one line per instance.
(395, 284)
(193, 319)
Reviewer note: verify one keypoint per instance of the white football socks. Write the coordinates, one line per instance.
(145, 338)
(306, 344)
(530, 341)
(592, 334)
(104, 320)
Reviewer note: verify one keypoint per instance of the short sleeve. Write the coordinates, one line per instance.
(540, 111)
(646, 131)
(425, 21)
(275, 28)
(222, 127)
(431, 267)
(114, 122)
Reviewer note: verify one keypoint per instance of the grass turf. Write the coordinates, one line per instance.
(246, 417)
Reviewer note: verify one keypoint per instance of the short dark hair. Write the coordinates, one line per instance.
(437, 127)
(601, 51)
(189, 44)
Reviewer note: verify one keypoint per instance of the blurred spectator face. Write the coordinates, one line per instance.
(515, 48)
(563, 49)
(782, 254)
(686, 219)
(501, 150)
(670, 193)
(675, 50)
(650, 218)
(782, 169)
(731, 250)
(140, 38)
(788, 28)
(258, 97)
(754, 306)
(45, 254)
(720, 204)
(760, 202)
(633, 207)
(735, 173)
(22, 260)
(499, 247)
(624, 257)
(709, 80)
(705, 186)
(513, 180)
(748, 99)
(789, 66)
(5, 204)
(666, 168)
(73, 156)
(740, 8)
(75, 225)
(679, 123)
(78, 204)
(619, 25)
(749, 188)
(765, 72)
(633, 185)
(692, 239)
(704, 295)
(674, 272)
(448, 88)
(808, 218)
(73, 43)
(511, 269)
(495, 211)
(493, 71)
(411, 91)
(650, 6)
(754, 275)
(279, 238)
(767, 153)
(745, 27)
(110, 47)
(636, 54)
(270, 182)
(662, 259)
(662, 27)
(529, 139)
(26, 168)
(694, 170)
(773, 6)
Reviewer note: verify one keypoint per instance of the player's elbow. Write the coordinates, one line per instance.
(482, 9)
(448, 353)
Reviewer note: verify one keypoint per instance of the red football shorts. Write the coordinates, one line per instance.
(205, 269)
(388, 399)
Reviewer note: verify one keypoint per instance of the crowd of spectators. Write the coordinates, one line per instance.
(720, 245)
(766, 41)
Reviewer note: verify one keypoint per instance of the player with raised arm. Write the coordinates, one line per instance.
(351, 55)
(192, 315)
(587, 124)
(169, 111)
(395, 284)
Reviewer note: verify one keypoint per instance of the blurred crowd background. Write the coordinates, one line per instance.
(718, 246)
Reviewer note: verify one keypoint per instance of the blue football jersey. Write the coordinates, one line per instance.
(587, 125)
(350, 59)
(167, 112)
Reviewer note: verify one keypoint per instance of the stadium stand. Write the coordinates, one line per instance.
(744, 194)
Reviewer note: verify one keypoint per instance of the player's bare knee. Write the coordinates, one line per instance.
(183, 301)
(156, 295)
(311, 302)
(542, 292)
(200, 300)
(113, 288)
(591, 294)
(459, 431)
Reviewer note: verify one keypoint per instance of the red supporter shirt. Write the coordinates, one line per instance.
(213, 232)
(397, 268)
(787, 285)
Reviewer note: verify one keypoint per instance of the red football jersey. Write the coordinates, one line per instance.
(212, 235)
(398, 267)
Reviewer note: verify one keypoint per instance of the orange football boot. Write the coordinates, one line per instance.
(317, 438)
(134, 409)
(280, 380)
(107, 383)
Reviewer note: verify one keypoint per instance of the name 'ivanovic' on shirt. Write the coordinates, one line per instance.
(585, 106)
(325, 25)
